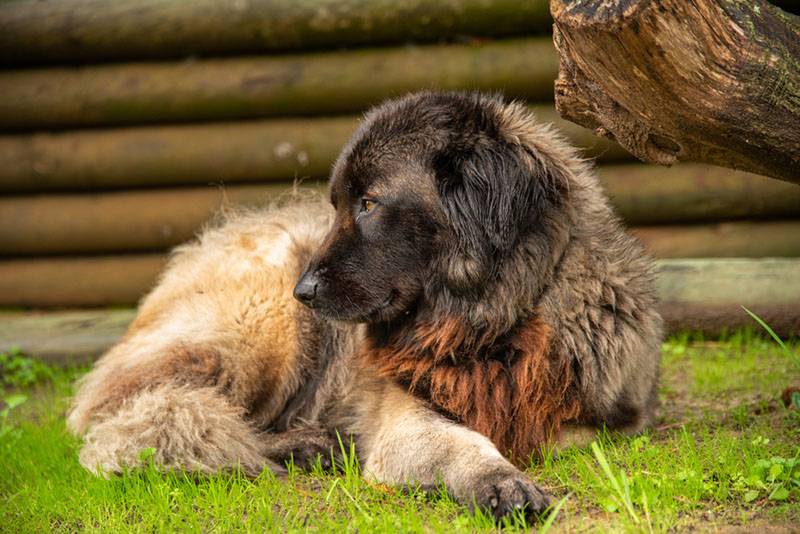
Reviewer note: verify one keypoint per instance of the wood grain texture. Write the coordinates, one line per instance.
(78, 282)
(720, 240)
(203, 153)
(157, 219)
(122, 221)
(253, 86)
(730, 281)
(712, 81)
(646, 194)
(91, 30)
(73, 336)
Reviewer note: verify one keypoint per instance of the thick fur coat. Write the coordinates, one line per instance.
(501, 307)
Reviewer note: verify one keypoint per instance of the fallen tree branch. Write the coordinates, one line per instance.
(670, 80)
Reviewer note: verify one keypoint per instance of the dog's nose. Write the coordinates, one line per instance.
(306, 288)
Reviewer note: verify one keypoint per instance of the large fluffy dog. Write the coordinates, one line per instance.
(505, 308)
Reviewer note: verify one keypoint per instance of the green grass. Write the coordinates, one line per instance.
(724, 452)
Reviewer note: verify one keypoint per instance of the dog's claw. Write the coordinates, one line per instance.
(504, 493)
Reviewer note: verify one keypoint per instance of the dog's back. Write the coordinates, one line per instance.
(217, 351)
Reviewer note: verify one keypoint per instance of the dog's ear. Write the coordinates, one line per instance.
(493, 192)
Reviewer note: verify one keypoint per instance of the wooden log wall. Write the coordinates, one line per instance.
(703, 295)
(123, 129)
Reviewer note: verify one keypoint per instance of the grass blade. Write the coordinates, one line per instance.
(551, 517)
(795, 358)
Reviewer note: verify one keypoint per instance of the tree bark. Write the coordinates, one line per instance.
(670, 80)
(90, 30)
(245, 151)
(243, 87)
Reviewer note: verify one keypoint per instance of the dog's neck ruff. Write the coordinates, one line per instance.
(511, 387)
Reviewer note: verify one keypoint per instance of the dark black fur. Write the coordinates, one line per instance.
(466, 199)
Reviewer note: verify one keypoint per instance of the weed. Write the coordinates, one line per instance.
(17, 370)
(775, 477)
(10, 402)
(789, 353)
(794, 396)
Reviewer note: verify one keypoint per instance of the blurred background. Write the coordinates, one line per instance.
(125, 125)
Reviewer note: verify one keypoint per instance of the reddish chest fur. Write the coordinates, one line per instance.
(513, 389)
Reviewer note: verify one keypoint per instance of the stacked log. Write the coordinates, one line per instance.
(95, 30)
(702, 295)
(302, 84)
(157, 219)
(124, 129)
(707, 295)
(245, 151)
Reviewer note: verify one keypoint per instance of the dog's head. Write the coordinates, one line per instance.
(433, 190)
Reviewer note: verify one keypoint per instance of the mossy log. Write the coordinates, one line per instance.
(91, 30)
(711, 81)
(244, 151)
(90, 281)
(723, 240)
(305, 84)
(645, 194)
(159, 219)
(698, 295)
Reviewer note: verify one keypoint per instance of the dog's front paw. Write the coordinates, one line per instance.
(502, 493)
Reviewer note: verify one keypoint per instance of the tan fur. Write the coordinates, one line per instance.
(189, 428)
(214, 357)
(222, 317)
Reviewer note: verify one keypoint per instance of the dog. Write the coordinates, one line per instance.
(469, 300)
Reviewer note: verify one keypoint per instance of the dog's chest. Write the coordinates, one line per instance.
(514, 389)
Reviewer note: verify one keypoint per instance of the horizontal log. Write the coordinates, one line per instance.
(715, 320)
(91, 30)
(730, 281)
(70, 282)
(244, 151)
(646, 194)
(125, 221)
(159, 219)
(64, 337)
(697, 295)
(706, 295)
(262, 150)
(721, 240)
(306, 84)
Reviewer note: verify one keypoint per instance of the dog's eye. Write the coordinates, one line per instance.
(366, 205)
